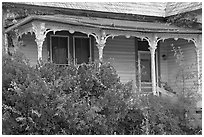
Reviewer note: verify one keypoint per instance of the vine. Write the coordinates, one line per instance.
(186, 20)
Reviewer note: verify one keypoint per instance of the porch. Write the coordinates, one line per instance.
(127, 44)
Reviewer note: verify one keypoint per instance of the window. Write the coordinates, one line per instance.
(81, 49)
(59, 49)
(77, 49)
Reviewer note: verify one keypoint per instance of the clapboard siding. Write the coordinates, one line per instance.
(200, 57)
(170, 72)
(189, 53)
(163, 63)
(120, 51)
(30, 49)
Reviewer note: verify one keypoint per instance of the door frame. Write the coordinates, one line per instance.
(139, 69)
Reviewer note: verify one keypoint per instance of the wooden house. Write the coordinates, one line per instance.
(135, 37)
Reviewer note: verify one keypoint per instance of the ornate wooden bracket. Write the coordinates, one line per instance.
(152, 40)
(101, 42)
(40, 34)
(197, 41)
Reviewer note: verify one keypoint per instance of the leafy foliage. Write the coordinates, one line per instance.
(53, 99)
(187, 96)
(85, 99)
(186, 20)
(13, 13)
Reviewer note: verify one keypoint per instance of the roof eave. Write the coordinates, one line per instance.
(147, 30)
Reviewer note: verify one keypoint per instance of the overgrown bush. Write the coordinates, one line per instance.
(53, 99)
(84, 99)
(187, 96)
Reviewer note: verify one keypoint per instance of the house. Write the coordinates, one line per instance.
(135, 37)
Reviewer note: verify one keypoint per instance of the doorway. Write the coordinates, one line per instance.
(144, 71)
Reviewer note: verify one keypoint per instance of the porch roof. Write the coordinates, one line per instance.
(158, 9)
(173, 8)
(110, 24)
(141, 8)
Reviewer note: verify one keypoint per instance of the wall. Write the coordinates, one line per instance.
(30, 48)
(163, 62)
(200, 57)
(170, 69)
(120, 51)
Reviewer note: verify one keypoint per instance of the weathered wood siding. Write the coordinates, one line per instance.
(120, 51)
(170, 69)
(200, 57)
(163, 63)
(30, 49)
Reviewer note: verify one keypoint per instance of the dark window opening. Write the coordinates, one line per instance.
(59, 49)
(143, 46)
(82, 50)
(146, 70)
(67, 48)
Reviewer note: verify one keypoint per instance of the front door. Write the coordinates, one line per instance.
(144, 65)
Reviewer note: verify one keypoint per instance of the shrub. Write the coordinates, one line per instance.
(160, 115)
(187, 96)
(84, 99)
(53, 99)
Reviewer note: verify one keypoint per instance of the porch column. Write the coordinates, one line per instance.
(16, 43)
(5, 40)
(198, 45)
(153, 46)
(100, 47)
(40, 34)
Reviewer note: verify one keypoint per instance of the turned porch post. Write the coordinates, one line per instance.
(40, 34)
(198, 45)
(152, 47)
(100, 47)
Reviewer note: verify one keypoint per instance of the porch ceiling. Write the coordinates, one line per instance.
(110, 24)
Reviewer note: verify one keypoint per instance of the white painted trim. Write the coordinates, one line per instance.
(146, 82)
(143, 51)
(90, 49)
(157, 66)
(51, 46)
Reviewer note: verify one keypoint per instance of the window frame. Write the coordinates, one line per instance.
(90, 47)
(51, 58)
